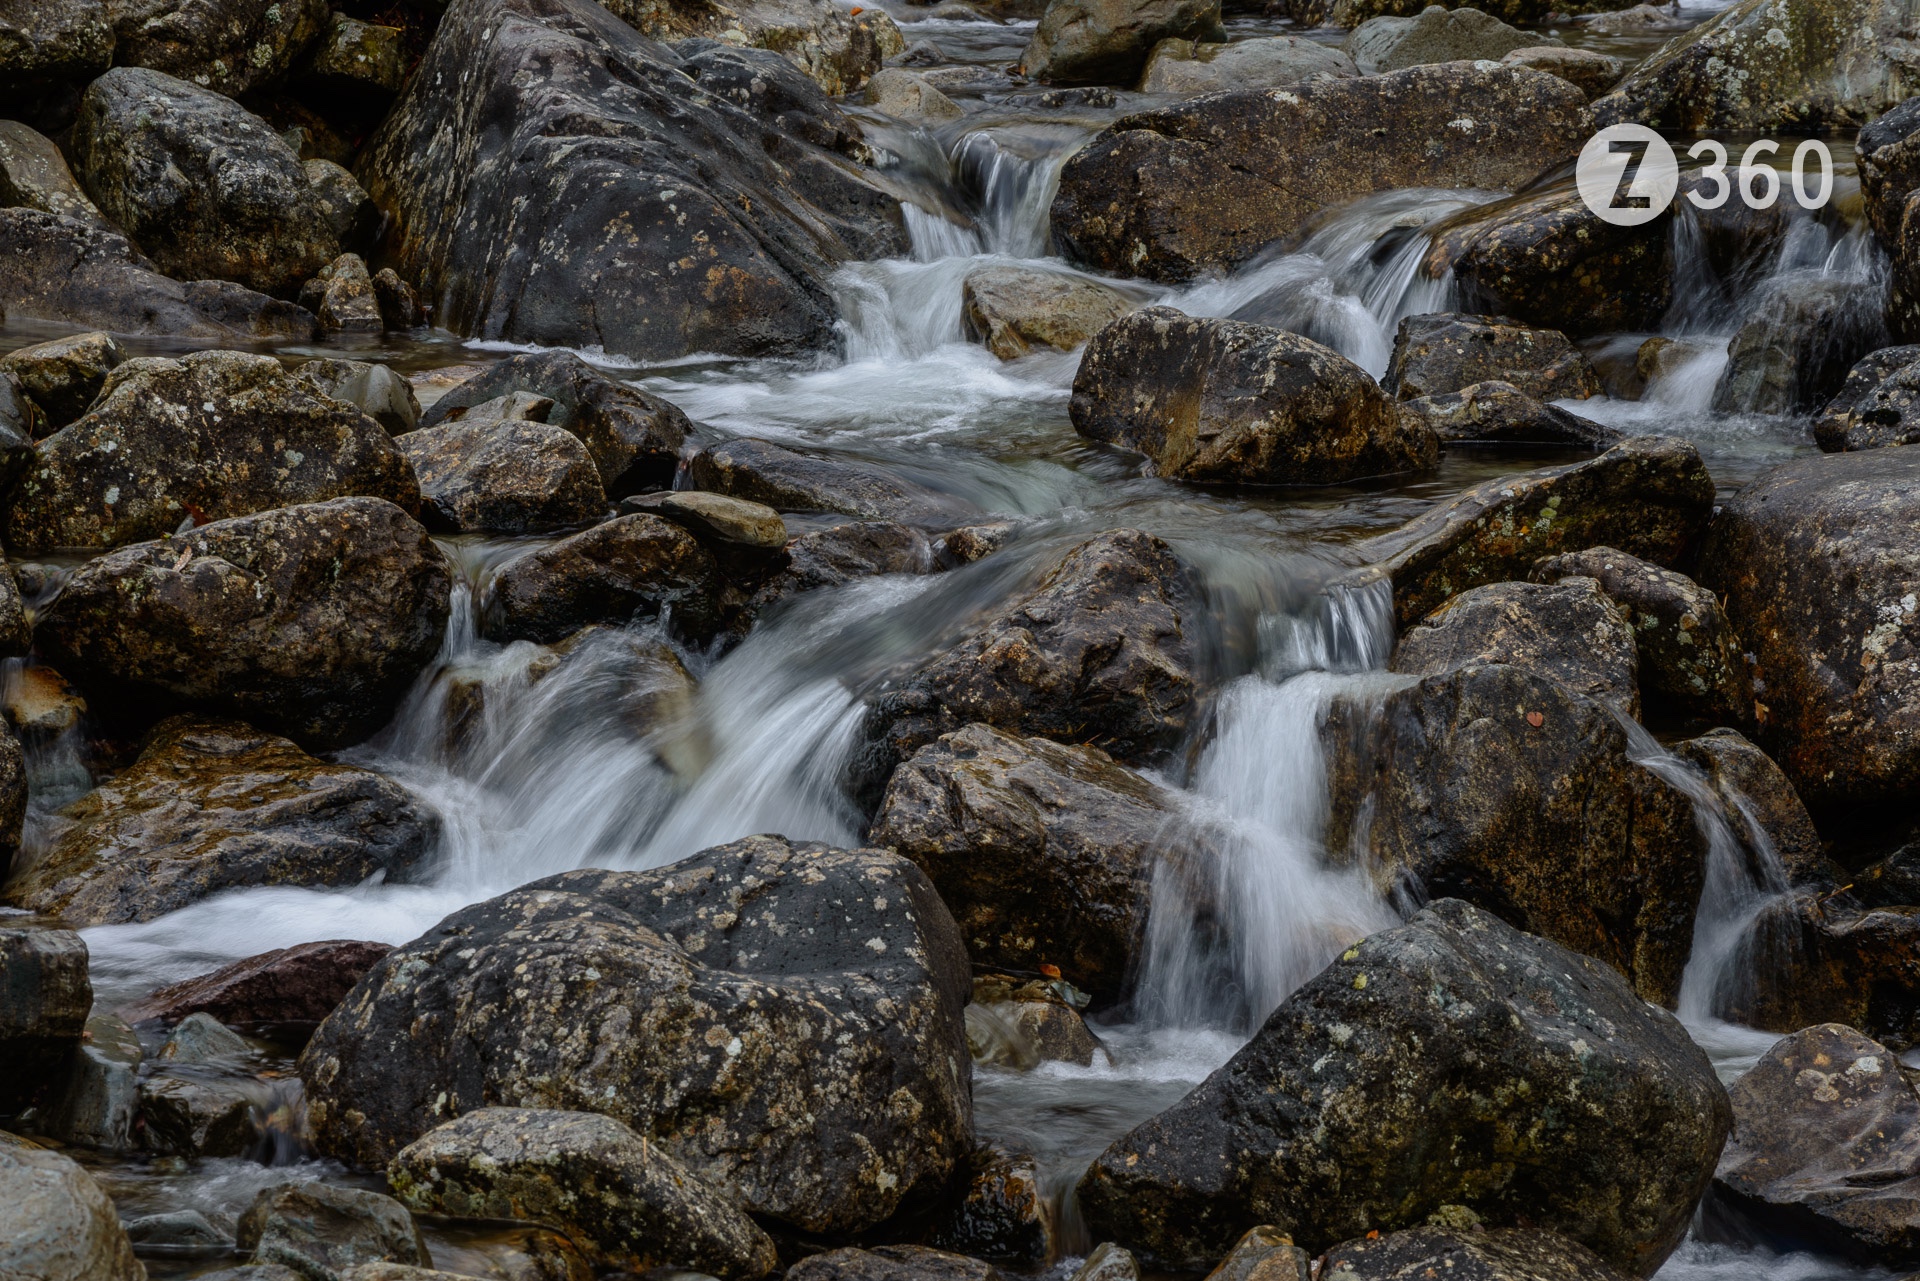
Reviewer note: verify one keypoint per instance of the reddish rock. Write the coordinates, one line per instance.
(285, 992)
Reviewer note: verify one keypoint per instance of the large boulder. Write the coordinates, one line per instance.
(311, 621)
(544, 151)
(637, 566)
(1499, 1254)
(52, 43)
(283, 993)
(782, 1019)
(1818, 563)
(203, 437)
(1446, 352)
(202, 185)
(45, 994)
(212, 806)
(1188, 67)
(1877, 405)
(1206, 185)
(1043, 851)
(1436, 34)
(1650, 496)
(56, 1223)
(1015, 309)
(1229, 402)
(762, 472)
(1107, 41)
(1450, 1062)
(492, 475)
(1569, 632)
(836, 49)
(229, 46)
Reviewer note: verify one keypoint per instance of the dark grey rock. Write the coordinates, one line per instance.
(637, 566)
(321, 1230)
(64, 375)
(1449, 352)
(786, 481)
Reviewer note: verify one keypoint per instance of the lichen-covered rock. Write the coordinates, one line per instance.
(45, 994)
(1398, 1082)
(1015, 309)
(1498, 413)
(33, 173)
(363, 63)
(1878, 405)
(1186, 67)
(783, 1019)
(1206, 185)
(64, 376)
(1798, 343)
(56, 1224)
(341, 297)
(310, 621)
(203, 186)
(283, 993)
(1500, 1254)
(1004, 1215)
(1446, 352)
(1229, 402)
(891, 1263)
(228, 46)
(349, 209)
(1650, 496)
(905, 96)
(1107, 41)
(212, 806)
(322, 1229)
(637, 566)
(1591, 71)
(1570, 633)
(763, 472)
(834, 48)
(206, 436)
(1435, 34)
(503, 477)
(629, 1205)
(1887, 154)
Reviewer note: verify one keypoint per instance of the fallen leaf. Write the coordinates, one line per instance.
(186, 554)
(1536, 719)
(1051, 971)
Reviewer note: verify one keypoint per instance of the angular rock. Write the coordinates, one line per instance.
(1814, 958)
(1498, 413)
(94, 1107)
(341, 297)
(282, 994)
(229, 46)
(1184, 67)
(1206, 185)
(361, 62)
(1887, 153)
(1592, 72)
(631, 567)
(891, 1263)
(1451, 1033)
(33, 173)
(1264, 1254)
(1761, 804)
(1436, 34)
(1503, 1254)
(1447, 352)
(1570, 633)
(834, 48)
(836, 556)
(200, 1115)
(504, 477)
(64, 375)
(350, 211)
(745, 539)
(762, 472)
(905, 96)
(310, 620)
(45, 994)
(1003, 1215)
(1107, 41)
(400, 307)
(208, 436)
(1228, 402)
(56, 1224)
(1878, 405)
(1015, 309)
(628, 1205)
(817, 1082)
(1794, 352)
(320, 1229)
(380, 393)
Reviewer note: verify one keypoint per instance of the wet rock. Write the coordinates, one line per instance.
(376, 390)
(1760, 803)
(1503, 1254)
(1766, 65)
(627, 1204)
(228, 46)
(188, 1228)
(778, 93)
(201, 1038)
(341, 297)
(1887, 153)
(310, 620)
(320, 1229)
(634, 436)
(199, 1114)
(51, 43)
(1264, 1254)
(1436, 34)
(834, 48)
(762, 472)
(632, 567)
(833, 557)
(1108, 41)
(400, 307)
(282, 994)
(1795, 350)
(1003, 1215)
(504, 476)
(75, 273)
(1184, 67)
(1046, 1027)
(64, 375)
(1447, 352)
(891, 1263)
(1570, 633)
(1636, 20)
(1463, 1032)
(1649, 496)
(1206, 185)
(1015, 309)
(94, 1106)
(214, 805)
(1228, 402)
(33, 173)
(55, 1222)
(1811, 958)
(905, 96)
(204, 187)
(742, 536)
(45, 994)
(571, 131)
(1351, 13)
(272, 1272)
(1592, 72)
(1878, 405)
(1498, 413)
(361, 63)
(1818, 567)
(207, 436)
(1893, 881)
(818, 1084)
(41, 706)
(1690, 663)
(1108, 1262)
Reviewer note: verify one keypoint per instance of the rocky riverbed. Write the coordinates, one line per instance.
(1074, 639)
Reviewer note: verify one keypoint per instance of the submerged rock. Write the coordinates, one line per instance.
(64, 375)
(631, 567)
(1498, 413)
(283, 993)
(1107, 41)
(1436, 34)
(44, 1001)
(1501, 1254)
(322, 1229)
(1014, 309)
(1185, 67)
(1447, 352)
(56, 1224)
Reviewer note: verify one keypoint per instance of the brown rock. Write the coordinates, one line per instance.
(891, 1263)
(1589, 70)
(1447, 352)
(341, 296)
(1014, 309)
(631, 567)
(1499, 1254)
(284, 993)
(1003, 1215)
(1498, 413)
(64, 375)
(502, 475)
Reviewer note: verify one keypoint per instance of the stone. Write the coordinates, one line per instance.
(282, 994)
(203, 186)
(1817, 565)
(1690, 663)
(1649, 496)
(836, 49)
(891, 1263)
(1887, 154)
(310, 621)
(839, 555)
(816, 1082)
(1636, 20)
(400, 307)
(1570, 633)
(33, 173)
(786, 481)
(1761, 805)
(1813, 958)
(1501, 1254)
(45, 995)
(1108, 1262)
(358, 60)
(1003, 1215)
(349, 210)
(1013, 310)
(1184, 67)
(731, 528)
(342, 299)
(1463, 1033)
(375, 390)
(634, 436)
(1893, 881)
(95, 1106)
(1447, 352)
(188, 1228)
(201, 1038)
(1044, 1027)
(1108, 41)
(1589, 70)
(625, 1203)
(41, 706)
(570, 130)
(323, 1230)
(200, 1115)
(69, 272)
(1800, 341)
(905, 96)
(629, 568)
(1264, 1254)
(51, 43)
(1206, 185)
(1230, 402)
(1499, 413)
(1878, 404)
(56, 1224)
(228, 46)
(64, 375)
(503, 476)
(1044, 852)
(215, 805)
(1436, 34)
(1351, 13)
(207, 436)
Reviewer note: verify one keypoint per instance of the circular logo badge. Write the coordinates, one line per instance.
(1627, 175)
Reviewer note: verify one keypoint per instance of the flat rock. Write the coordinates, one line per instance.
(631, 567)
(1435, 34)
(1014, 310)
(1447, 352)
(283, 993)
(1498, 413)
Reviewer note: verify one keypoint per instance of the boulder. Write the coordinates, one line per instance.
(1097, 652)
(694, 225)
(349, 209)
(56, 1224)
(1498, 413)
(281, 994)
(891, 1263)
(1396, 1083)
(747, 540)
(45, 994)
(400, 307)
(1690, 663)
(1589, 70)
(1016, 309)
(53, 43)
(1763, 808)
(763, 472)
(203, 186)
(34, 174)
(1570, 633)
(1108, 41)
(201, 1038)
(1811, 957)
(1502, 1254)
(60, 269)
(1264, 1254)
(1636, 20)
(341, 296)
(94, 1106)
(1108, 1261)
(1887, 153)
(1446, 352)
(64, 376)
(322, 1229)
(1794, 351)
(1650, 496)
(1818, 565)
(1043, 852)
(1003, 1215)
(229, 46)
(358, 64)
(839, 555)
(1185, 67)
(1436, 34)
(635, 437)
(836, 49)
(380, 393)
(1206, 185)
(201, 1114)
(1351, 13)
(208, 436)
(905, 96)
(504, 477)
(1878, 405)
(1036, 1022)
(628, 1205)
(631, 567)
(310, 621)
(782, 1019)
